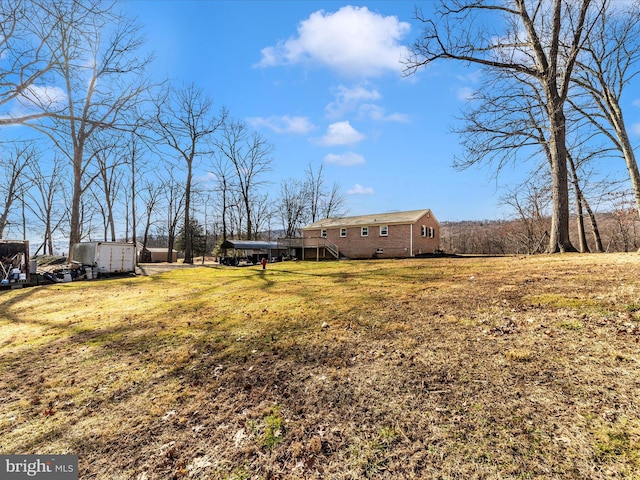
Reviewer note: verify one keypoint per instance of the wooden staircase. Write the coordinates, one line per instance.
(332, 248)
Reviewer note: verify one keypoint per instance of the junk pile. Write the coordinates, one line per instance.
(13, 268)
(88, 260)
(62, 273)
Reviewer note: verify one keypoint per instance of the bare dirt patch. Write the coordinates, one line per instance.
(493, 368)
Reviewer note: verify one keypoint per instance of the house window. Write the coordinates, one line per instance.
(323, 233)
(428, 231)
(343, 232)
(365, 231)
(384, 230)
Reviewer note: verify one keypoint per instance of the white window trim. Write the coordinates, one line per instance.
(362, 231)
(386, 227)
(343, 232)
(323, 233)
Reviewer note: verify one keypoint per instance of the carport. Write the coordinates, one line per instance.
(253, 250)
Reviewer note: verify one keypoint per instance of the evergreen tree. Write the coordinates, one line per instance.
(198, 238)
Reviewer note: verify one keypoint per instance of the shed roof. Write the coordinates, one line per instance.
(250, 245)
(160, 250)
(407, 217)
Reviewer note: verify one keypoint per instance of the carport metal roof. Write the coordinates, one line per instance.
(250, 245)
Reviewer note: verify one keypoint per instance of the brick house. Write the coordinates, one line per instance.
(384, 235)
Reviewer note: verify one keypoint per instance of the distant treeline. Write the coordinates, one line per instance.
(618, 231)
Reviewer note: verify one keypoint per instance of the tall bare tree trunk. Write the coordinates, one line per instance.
(75, 227)
(188, 243)
(559, 241)
(582, 237)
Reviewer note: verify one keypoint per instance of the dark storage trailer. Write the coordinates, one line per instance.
(15, 267)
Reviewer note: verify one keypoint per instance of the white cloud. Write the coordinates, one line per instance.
(358, 189)
(357, 94)
(636, 103)
(377, 113)
(348, 99)
(359, 99)
(284, 124)
(209, 179)
(341, 133)
(348, 159)
(352, 41)
(473, 77)
(635, 128)
(465, 93)
(47, 95)
(470, 80)
(36, 99)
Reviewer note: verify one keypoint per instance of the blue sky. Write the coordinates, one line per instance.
(322, 81)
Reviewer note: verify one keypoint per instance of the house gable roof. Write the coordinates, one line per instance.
(408, 217)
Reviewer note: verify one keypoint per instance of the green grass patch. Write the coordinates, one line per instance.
(273, 425)
(619, 444)
(572, 325)
(555, 300)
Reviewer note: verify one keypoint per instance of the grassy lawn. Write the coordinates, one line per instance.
(456, 368)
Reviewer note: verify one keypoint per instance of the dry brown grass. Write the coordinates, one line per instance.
(487, 368)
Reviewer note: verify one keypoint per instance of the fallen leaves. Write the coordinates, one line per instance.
(398, 372)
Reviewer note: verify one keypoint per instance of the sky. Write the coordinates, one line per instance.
(323, 82)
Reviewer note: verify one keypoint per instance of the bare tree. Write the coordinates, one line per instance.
(530, 203)
(623, 235)
(506, 128)
(500, 128)
(96, 198)
(333, 202)
(185, 121)
(44, 199)
(541, 42)
(262, 211)
(293, 206)
(249, 154)
(223, 173)
(174, 193)
(315, 185)
(611, 60)
(26, 29)
(135, 158)
(13, 179)
(323, 203)
(90, 210)
(100, 77)
(110, 183)
(150, 196)
(301, 202)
